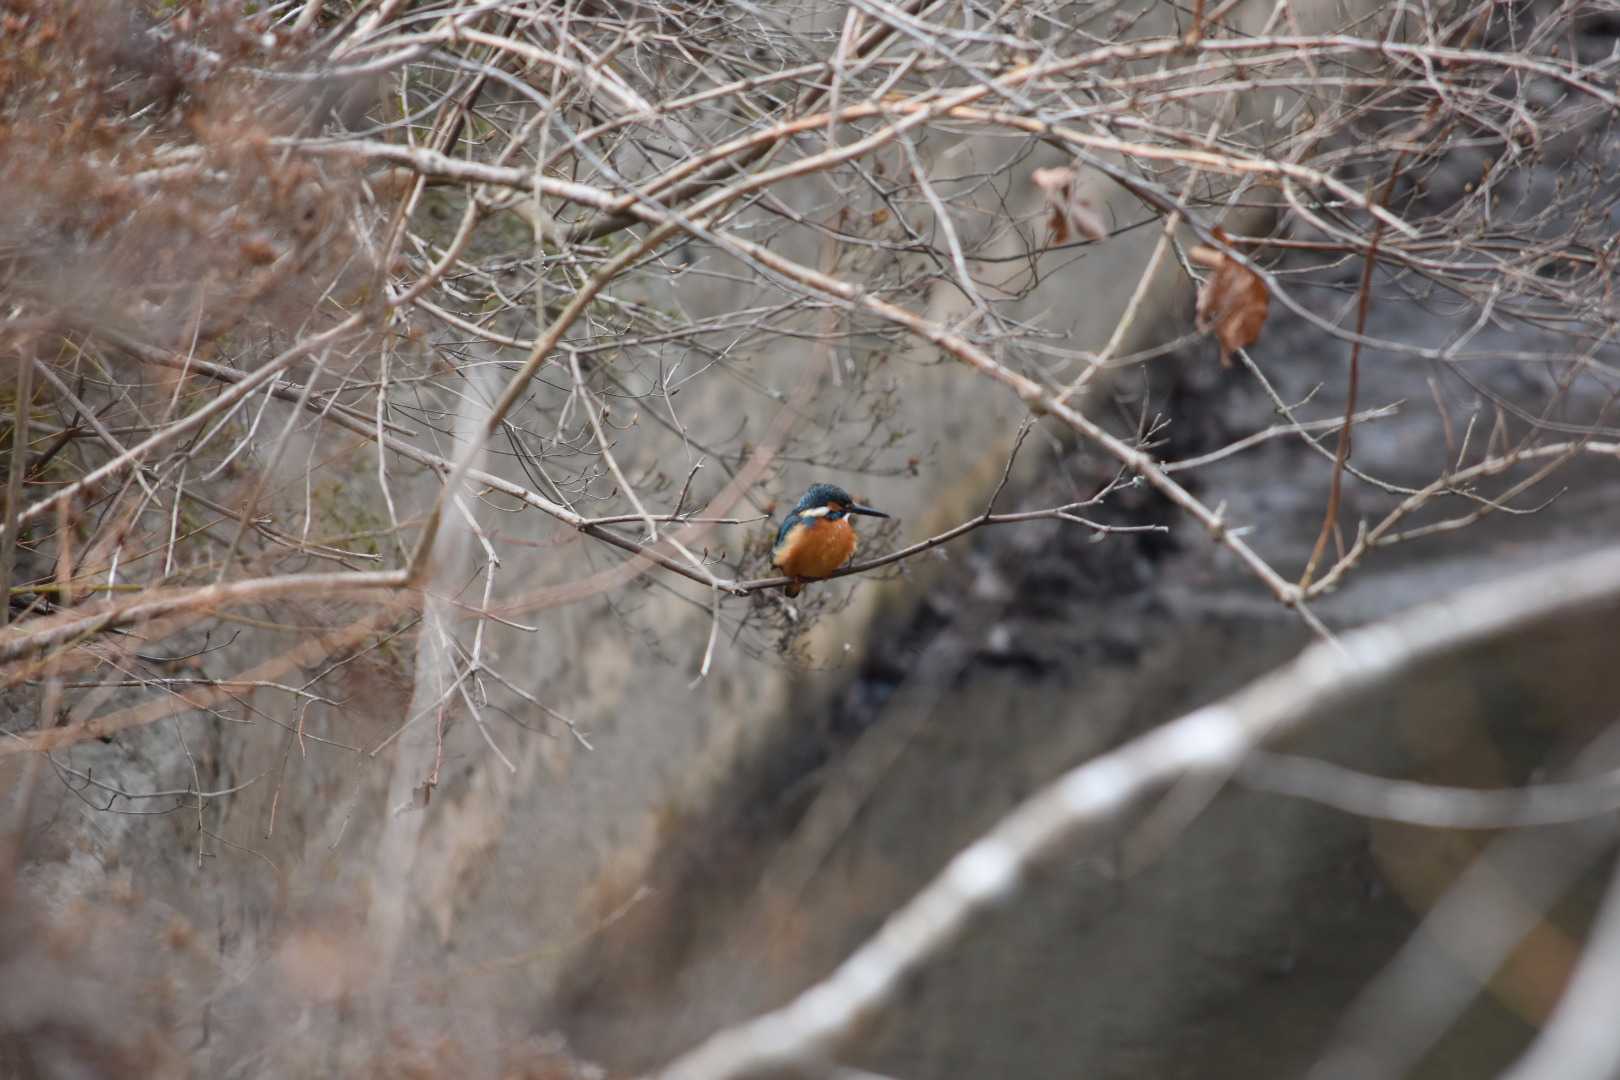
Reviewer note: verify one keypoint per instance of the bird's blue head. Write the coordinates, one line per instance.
(827, 501)
(833, 501)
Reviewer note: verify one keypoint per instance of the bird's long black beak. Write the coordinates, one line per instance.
(867, 510)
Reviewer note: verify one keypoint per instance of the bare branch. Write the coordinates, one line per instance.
(1213, 740)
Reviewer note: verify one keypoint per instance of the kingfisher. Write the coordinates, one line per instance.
(817, 537)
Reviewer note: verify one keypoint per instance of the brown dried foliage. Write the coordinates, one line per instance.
(1070, 211)
(143, 186)
(1233, 301)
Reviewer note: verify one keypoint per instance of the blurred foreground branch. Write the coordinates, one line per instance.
(1212, 741)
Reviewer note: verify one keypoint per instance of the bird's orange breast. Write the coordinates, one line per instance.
(814, 549)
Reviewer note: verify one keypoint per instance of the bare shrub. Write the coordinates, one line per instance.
(322, 319)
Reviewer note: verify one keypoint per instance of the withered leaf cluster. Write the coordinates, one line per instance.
(1233, 302)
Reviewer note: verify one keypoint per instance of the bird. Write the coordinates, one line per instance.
(817, 537)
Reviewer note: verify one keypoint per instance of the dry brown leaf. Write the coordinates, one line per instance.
(1233, 302)
(1069, 209)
